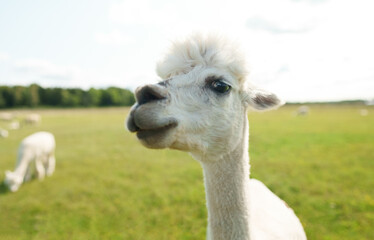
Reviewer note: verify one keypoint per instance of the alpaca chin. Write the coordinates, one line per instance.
(157, 138)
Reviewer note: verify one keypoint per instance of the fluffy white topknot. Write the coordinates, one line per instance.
(198, 50)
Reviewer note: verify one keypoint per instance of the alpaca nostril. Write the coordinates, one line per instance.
(149, 93)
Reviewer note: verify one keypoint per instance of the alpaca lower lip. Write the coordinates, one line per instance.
(146, 133)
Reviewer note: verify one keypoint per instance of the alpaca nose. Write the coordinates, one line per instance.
(150, 93)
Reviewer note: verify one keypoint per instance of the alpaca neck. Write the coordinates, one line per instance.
(22, 164)
(227, 192)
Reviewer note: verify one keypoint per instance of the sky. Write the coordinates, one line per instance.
(303, 50)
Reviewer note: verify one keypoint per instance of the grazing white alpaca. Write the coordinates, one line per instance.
(5, 116)
(33, 119)
(303, 111)
(38, 147)
(4, 133)
(201, 107)
(14, 125)
(364, 112)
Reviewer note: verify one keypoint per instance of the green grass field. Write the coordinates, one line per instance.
(108, 186)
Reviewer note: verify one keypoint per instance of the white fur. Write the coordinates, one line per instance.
(14, 125)
(4, 133)
(364, 112)
(303, 111)
(6, 116)
(33, 119)
(185, 113)
(38, 148)
(199, 50)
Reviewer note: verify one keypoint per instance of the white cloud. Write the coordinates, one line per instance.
(115, 38)
(3, 57)
(327, 62)
(174, 18)
(49, 74)
(303, 50)
(135, 12)
(43, 69)
(283, 16)
(296, 48)
(258, 23)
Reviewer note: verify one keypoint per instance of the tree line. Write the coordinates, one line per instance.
(36, 96)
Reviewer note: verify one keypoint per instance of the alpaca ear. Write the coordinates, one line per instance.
(261, 100)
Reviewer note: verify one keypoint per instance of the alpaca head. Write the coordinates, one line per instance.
(201, 104)
(12, 181)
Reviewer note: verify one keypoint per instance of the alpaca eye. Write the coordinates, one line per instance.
(220, 86)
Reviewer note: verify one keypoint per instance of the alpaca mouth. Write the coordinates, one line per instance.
(145, 128)
(147, 133)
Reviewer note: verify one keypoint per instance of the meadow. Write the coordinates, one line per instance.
(108, 186)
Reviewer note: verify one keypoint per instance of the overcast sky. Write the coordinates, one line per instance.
(303, 50)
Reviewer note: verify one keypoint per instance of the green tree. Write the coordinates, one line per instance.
(54, 96)
(127, 97)
(33, 96)
(19, 96)
(2, 99)
(65, 98)
(91, 97)
(7, 93)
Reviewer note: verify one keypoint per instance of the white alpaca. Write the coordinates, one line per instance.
(33, 119)
(5, 116)
(4, 133)
(364, 112)
(14, 125)
(303, 111)
(38, 147)
(201, 107)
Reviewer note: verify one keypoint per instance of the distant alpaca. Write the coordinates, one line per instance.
(364, 112)
(201, 107)
(33, 119)
(38, 147)
(6, 116)
(4, 133)
(303, 111)
(14, 125)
